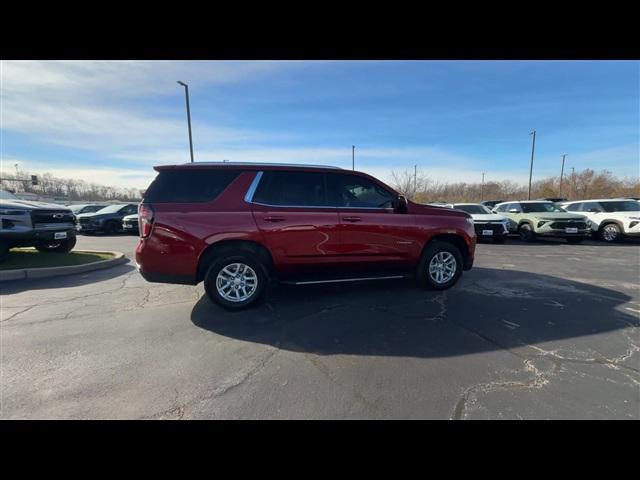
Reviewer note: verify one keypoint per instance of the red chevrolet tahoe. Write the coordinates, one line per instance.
(238, 226)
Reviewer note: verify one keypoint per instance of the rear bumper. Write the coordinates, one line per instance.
(155, 277)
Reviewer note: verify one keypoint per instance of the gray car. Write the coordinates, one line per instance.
(45, 226)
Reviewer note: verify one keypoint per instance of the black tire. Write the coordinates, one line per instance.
(500, 239)
(111, 228)
(227, 259)
(526, 233)
(610, 232)
(433, 249)
(574, 240)
(61, 246)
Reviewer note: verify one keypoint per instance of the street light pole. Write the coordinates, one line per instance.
(533, 147)
(561, 175)
(186, 91)
(415, 180)
(353, 157)
(482, 188)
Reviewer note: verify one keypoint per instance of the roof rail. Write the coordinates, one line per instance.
(259, 164)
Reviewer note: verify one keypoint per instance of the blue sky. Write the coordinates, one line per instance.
(110, 122)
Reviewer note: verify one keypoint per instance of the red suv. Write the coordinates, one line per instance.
(238, 226)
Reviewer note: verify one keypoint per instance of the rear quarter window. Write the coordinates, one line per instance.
(189, 186)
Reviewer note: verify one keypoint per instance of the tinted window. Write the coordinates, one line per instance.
(574, 208)
(187, 186)
(589, 206)
(540, 207)
(621, 206)
(355, 191)
(502, 208)
(130, 210)
(294, 189)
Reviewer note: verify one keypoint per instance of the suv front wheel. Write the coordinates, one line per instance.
(440, 266)
(235, 281)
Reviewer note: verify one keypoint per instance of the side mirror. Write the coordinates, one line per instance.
(400, 204)
(513, 210)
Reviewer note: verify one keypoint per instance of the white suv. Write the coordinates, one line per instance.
(611, 219)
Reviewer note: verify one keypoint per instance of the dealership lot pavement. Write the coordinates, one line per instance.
(545, 330)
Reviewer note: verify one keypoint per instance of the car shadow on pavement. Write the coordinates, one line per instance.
(65, 281)
(489, 309)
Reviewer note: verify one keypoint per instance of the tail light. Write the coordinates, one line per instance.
(145, 218)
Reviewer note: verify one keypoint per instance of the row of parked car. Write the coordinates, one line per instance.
(110, 219)
(51, 227)
(607, 219)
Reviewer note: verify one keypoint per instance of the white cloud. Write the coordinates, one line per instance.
(95, 105)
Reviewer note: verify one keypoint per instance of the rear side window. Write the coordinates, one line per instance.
(293, 189)
(189, 186)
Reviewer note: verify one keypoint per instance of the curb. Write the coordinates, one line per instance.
(26, 273)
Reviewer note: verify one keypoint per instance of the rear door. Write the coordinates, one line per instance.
(371, 231)
(295, 218)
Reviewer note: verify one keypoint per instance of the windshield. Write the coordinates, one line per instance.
(111, 208)
(473, 208)
(621, 206)
(8, 196)
(540, 207)
(76, 208)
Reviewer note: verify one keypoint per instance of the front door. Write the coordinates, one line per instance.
(371, 232)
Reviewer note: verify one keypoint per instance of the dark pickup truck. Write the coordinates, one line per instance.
(45, 226)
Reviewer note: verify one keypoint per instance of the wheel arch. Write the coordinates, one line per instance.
(608, 221)
(209, 254)
(457, 240)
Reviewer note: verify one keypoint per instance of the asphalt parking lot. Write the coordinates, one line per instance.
(534, 331)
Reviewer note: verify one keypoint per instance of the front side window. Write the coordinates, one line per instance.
(357, 192)
(590, 207)
(293, 189)
(574, 207)
(514, 206)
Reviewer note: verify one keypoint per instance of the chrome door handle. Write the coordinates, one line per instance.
(274, 219)
(351, 219)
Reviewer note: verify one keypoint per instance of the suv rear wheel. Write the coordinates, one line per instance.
(440, 266)
(235, 281)
(63, 246)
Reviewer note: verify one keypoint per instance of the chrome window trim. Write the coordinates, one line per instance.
(320, 206)
(248, 197)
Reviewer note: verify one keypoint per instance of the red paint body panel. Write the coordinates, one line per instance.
(297, 238)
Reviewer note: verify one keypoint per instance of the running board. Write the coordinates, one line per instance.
(339, 280)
